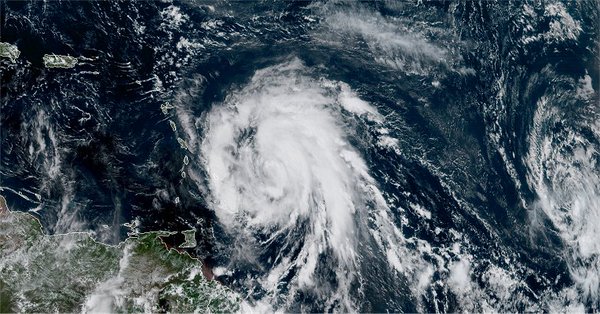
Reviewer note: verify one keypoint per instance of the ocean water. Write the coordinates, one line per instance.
(405, 156)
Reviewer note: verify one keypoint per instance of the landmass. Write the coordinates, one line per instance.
(59, 61)
(166, 107)
(9, 51)
(190, 239)
(182, 143)
(74, 273)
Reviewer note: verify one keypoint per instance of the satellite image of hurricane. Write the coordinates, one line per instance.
(260, 156)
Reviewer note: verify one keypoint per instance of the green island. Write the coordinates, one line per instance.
(190, 239)
(59, 61)
(9, 51)
(74, 273)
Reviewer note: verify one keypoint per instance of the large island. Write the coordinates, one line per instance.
(59, 61)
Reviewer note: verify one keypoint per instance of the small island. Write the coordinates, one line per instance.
(59, 61)
(75, 273)
(9, 51)
(190, 239)
(166, 107)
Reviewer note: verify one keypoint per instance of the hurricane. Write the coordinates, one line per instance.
(287, 183)
(563, 165)
(300, 156)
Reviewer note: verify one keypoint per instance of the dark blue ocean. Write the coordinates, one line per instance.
(377, 156)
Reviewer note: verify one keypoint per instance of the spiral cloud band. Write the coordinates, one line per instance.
(280, 164)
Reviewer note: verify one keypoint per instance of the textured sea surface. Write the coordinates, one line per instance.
(377, 156)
